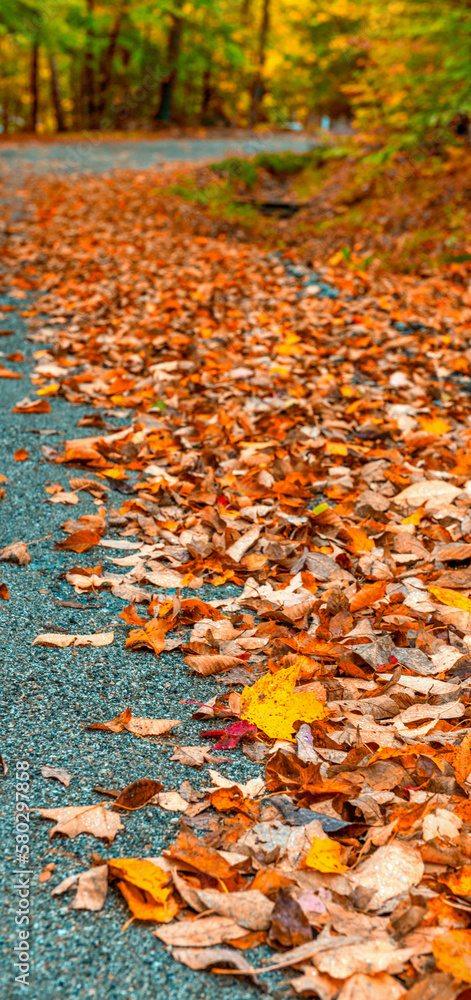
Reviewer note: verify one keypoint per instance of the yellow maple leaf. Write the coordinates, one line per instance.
(274, 706)
(434, 425)
(451, 597)
(325, 855)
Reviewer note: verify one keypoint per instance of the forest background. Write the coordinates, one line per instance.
(397, 72)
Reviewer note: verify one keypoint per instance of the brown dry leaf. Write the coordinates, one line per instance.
(391, 870)
(138, 794)
(92, 889)
(150, 727)
(194, 756)
(378, 987)
(61, 641)
(203, 958)
(16, 553)
(249, 909)
(27, 405)
(205, 932)
(59, 773)
(312, 981)
(207, 665)
(4, 592)
(74, 820)
(428, 489)
(369, 957)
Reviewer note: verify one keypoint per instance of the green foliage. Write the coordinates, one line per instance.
(236, 169)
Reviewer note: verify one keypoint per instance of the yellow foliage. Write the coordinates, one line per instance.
(451, 597)
(325, 856)
(273, 705)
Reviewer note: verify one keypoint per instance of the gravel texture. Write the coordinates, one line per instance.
(48, 698)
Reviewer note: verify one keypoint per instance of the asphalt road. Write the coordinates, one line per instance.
(95, 154)
(48, 696)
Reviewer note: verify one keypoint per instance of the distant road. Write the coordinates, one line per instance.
(95, 154)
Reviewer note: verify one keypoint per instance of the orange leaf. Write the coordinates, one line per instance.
(452, 954)
(360, 541)
(462, 760)
(79, 541)
(325, 855)
(460, 881)
(4, 594)
(152, 635)
(368, 594)
(38, 406)
(20, 455)
(144, 887)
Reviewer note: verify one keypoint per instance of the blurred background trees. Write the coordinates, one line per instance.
(400, 71)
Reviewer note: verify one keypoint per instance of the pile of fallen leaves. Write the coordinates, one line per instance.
(313, 453)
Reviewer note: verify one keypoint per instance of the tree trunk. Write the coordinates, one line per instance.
(106, 67)
(6, 113)
(206, 95)
(258, 87)
(89, 71)
(33, 122)
(56, 94)
(164, 111)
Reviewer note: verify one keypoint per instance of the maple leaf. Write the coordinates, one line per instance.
(273, 706)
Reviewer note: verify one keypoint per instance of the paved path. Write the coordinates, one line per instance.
(95, 154)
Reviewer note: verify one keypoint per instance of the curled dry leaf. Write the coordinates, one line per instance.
(61, 641)
(4, 592)
(194, 756)
(205, 932)
(207, 665)
(138, 794)
(204, 958)
(16, 553)
(134, 724)
(59, 773)
(74, 820)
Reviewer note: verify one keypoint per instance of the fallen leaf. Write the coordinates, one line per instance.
(20, 454)
(137, 794)
(388, 872)
(62, 641)
(4, 592)
(452, 953)
(73, 820)
(92, 889)
(205, 932)
(451, 598)
(79, 541)
(273, 706)
(427, 489)
(145, 888)
(325, 856)
(16, 553)
(59, 773)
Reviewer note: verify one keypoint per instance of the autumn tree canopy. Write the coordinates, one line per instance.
(399, 70)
